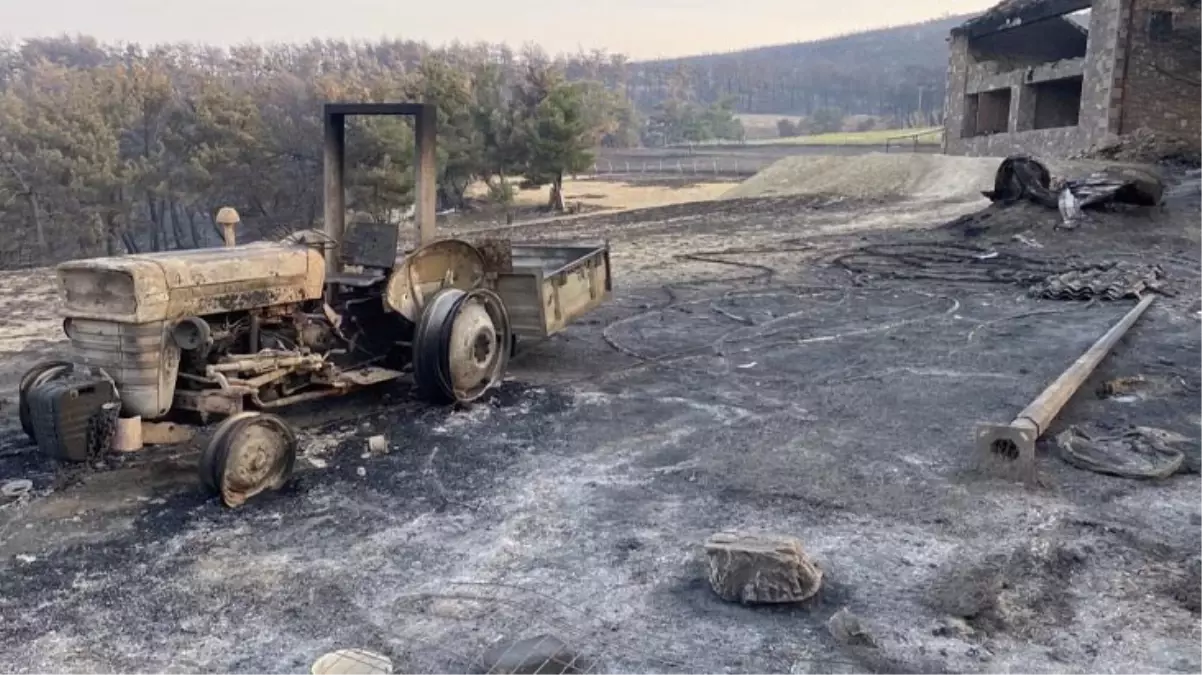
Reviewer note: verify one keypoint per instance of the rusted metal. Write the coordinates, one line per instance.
(166, 433)
(208, 401)
(1012, 446)
(426, 167)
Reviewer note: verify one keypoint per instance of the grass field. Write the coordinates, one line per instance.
(929, 136)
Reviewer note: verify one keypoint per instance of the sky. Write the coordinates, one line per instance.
(640, 29)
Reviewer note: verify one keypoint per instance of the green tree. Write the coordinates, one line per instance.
(557, 129)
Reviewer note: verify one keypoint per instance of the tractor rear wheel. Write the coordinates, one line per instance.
(462, 345)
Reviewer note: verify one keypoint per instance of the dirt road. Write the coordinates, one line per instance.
(760, 388)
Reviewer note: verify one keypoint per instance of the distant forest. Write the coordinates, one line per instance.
(896, 73)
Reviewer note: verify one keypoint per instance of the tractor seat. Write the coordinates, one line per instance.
(371, 246)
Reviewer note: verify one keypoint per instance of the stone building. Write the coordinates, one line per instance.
(1055, 77)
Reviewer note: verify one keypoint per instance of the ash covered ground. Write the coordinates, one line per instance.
(739, 379)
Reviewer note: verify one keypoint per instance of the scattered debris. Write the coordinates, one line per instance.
(361, 472)
(1146, 146)
(1114, 281)
(1022, 178)
(754, 568)
(352, 662)
(847, 629)
(1052, 278)
(1011, 447)
(1124, 387)
(377, 445)
(953, 627)
(16, 488)
(1143, 452)
(540, 655)
(25, 558)
(1137, 388)
(1028, 240)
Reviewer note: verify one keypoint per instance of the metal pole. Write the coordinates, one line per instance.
(1014, 443)
(333, 192)
(426, 131)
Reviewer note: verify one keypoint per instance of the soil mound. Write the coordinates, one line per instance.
(874, 175)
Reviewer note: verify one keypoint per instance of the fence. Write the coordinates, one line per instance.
(911, 141)
(699, 166)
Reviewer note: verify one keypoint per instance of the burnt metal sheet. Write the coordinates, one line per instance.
(370, 245)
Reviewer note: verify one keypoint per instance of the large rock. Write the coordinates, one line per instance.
(755, 568)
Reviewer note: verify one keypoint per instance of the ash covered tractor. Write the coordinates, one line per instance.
(163, 342)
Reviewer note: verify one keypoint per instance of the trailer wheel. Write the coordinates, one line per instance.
(249, 453)
(39, 374)
(462, 345)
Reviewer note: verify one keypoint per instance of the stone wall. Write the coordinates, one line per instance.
(1160, 84)
(1098, 105)
(1060, 142)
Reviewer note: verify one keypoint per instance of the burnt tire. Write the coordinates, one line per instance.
(461, 346)
(248, 454)
(40, 373)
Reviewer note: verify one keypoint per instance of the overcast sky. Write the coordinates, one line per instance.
(639, 28)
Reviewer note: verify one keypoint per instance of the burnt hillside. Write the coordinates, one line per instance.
(879, 72)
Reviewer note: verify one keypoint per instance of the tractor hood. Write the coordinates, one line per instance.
(169, 285)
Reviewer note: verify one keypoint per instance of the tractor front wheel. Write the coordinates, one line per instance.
(249, 453)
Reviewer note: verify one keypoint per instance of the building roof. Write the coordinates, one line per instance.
(1012, 13)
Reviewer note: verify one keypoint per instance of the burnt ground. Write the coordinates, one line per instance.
(776, 394)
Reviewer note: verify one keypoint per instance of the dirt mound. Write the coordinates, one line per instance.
(1147, 146)
(874, 175)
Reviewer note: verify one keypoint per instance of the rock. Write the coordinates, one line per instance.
(377, 445)
(352, 662)
(539, 655)
(847, 629)
(753, 568)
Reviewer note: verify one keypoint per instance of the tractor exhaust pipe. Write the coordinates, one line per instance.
(1013, 445)
(227, 218)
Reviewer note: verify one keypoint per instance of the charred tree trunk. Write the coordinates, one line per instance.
(176, 231)
(556, 201)
(155, 227)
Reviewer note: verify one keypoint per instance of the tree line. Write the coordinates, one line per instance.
(109, 148)
(898, 74)
(119, 147)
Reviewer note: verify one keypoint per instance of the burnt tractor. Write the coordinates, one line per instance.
(165, 342)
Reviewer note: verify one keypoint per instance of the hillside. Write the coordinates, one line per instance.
(894, 72)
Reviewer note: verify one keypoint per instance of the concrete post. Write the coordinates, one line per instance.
(1023, 108)
(335, 193)
(426, 168)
